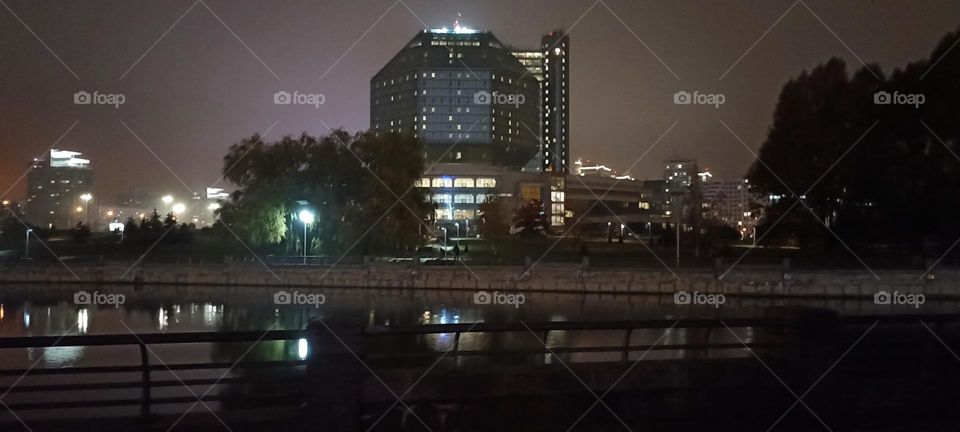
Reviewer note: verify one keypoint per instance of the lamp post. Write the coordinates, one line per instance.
(458, 230)
(466, 228)
(307, 217)
(678, 209)
(86, 207)
(444, 241)
(26, 251)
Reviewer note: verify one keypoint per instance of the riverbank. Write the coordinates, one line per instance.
(742, 281)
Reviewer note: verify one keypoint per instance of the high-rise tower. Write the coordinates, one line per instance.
(555, 100)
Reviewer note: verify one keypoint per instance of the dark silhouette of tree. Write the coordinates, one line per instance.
(494, 221)
(876, 174)
(531, 219)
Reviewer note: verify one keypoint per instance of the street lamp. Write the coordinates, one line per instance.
(307, 217)
(167, 199)
(458, 229)
(179, 208)
(86, 207)
(26, 251)
(444, 241)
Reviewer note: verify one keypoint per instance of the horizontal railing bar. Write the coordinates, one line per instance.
(32, 406)
(152, 368)
(641, 324)
(138, 384)
(149, 338)
(586, 350)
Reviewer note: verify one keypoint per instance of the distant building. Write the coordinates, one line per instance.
(555, 96)
(587, 168)
(459, 189)
(464, 94)
(680, 174)
(55, 183)
(731, 203)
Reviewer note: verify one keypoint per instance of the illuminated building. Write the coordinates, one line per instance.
(464, 94)
(55, 183)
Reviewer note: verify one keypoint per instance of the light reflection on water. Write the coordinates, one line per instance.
(49, 311)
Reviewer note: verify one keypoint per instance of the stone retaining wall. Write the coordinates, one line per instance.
(743, 281)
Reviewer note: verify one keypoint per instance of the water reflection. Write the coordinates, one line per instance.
(38, 310)
(83, 321)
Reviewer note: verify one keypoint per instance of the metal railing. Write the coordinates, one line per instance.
(147, 384)
(367, 351)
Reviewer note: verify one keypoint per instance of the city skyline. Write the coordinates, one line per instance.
(197, 77)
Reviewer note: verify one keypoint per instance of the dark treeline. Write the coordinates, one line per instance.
(873, 157)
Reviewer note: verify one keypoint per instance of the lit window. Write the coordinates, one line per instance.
(442, 182)
(463, 183)
(486, 182)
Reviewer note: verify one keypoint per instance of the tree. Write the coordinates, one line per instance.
(361, 188)
(531, 219)
(494, 223)
(874, 173)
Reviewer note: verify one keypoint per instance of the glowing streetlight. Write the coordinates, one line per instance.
(213, 206)
(26, 251)
(307, 217)
(86, 207)
(179, 208)
(167, 199)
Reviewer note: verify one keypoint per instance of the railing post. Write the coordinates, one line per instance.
(334, 381)
(626, 346)
(145, 386)
(456, 350)
(546, 349)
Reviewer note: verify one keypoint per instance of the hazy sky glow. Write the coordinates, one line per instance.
(198, 77)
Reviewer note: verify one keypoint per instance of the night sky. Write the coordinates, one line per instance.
(206, 84)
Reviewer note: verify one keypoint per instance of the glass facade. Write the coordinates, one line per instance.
(458, 198)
